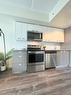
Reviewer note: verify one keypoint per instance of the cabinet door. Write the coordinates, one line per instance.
(21, 31)
(60, 36)
(62, 58)
(18, 30)
(19, 61)
(53, 36)
(24, 31)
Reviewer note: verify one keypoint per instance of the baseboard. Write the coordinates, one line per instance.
(61, 66)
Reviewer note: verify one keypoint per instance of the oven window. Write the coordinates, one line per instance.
(36, 57)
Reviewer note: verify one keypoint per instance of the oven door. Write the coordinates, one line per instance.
(35, 57)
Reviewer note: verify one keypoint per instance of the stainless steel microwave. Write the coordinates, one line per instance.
(33, 35)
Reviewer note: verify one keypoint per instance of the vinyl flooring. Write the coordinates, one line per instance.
(49, 82)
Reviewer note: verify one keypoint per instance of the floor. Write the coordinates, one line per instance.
(49, 82)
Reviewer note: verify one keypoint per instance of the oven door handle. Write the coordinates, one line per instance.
(36, 52)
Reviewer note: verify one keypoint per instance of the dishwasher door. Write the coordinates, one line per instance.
(50, 60)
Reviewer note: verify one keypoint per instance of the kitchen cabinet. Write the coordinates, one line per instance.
(53, 35)
(21, 31)
(62, 58)
(49, 34)
(19, 61)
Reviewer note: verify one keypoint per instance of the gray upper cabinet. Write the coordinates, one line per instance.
(21, 31)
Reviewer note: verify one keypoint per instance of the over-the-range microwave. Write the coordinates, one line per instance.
(34, 35)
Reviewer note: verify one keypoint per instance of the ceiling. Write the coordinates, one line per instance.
(43, 6)
(61, 20)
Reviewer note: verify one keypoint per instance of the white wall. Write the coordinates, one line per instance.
(68, 35)
(7, 24)
(67, 39)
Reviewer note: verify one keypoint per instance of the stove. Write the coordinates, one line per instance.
(35, 58)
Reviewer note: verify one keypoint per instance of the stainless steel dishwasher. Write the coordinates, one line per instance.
(50, 59)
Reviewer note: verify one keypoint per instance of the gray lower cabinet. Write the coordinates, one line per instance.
(63, 59)
(19, 61)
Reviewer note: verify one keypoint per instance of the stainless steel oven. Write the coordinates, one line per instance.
(35, 59)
